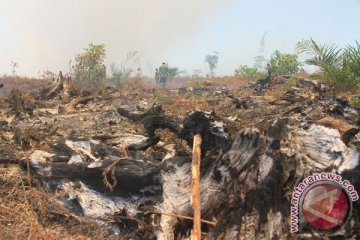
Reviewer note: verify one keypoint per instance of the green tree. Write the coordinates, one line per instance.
(284, 63)
(340, 67)
(173, 71)
(90, 71)
(212, 60)
(249, 72)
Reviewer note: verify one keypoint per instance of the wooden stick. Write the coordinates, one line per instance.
(195, 188)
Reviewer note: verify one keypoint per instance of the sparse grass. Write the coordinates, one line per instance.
(291, 82)
(181, 105)
(21, 83)
(279, 90)
(136, 83)
(234, 82)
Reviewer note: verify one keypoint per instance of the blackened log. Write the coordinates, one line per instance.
(132, 176)
(9, 161)
(195, 122)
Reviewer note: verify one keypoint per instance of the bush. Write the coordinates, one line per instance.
(90, 71)
(249, 72)
(284, 63)
(119, 76)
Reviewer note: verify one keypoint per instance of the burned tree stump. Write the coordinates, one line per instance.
(59, 87)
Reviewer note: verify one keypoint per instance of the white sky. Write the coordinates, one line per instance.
(45, 34)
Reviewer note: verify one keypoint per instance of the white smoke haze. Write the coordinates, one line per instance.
(45, 34)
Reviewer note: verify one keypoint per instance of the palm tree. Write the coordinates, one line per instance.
(340, 67)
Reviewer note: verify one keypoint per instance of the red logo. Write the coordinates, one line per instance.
(325, 206)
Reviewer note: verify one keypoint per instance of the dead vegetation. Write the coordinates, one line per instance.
(28, 212)
(118, 165)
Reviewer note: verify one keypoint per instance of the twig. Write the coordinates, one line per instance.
(9, 209)
(107, 170)
(182, 217)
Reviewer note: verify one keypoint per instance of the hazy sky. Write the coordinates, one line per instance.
(45, 34)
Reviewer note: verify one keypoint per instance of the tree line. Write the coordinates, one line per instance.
(337, 66)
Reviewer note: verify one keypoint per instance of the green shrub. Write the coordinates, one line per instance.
(249, 72)
(284, 63)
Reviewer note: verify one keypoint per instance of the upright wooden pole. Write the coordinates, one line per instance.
(195, 187)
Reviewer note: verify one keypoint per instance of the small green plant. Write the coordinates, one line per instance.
(249, 72)
(355, 102)
(90, 71)
(284, 63)
(291, 82)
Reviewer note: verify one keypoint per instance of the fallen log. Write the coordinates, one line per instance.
(133, 177)
(9, 161)
(70, 107)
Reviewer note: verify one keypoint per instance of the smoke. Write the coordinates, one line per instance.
(46, 34)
